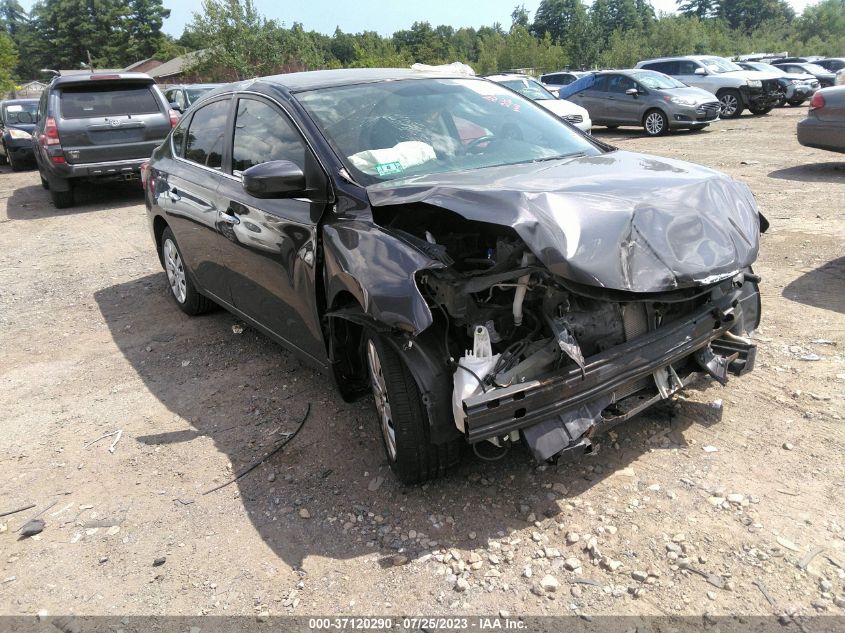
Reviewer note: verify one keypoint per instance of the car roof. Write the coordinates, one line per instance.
(17, 101)
(90, 78)
(314, 79)
(498, 76)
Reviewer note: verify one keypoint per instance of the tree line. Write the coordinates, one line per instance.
(238, 42)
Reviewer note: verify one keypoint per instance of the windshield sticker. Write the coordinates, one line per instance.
(14, 108)
(389, 169)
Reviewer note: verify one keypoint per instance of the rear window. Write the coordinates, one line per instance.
(86, 102)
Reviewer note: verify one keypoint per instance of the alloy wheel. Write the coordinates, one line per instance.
(175, 271)
(654, 123)
(379, 387)
(729, 104)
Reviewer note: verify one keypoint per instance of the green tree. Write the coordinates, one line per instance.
(746, 15)
(12, 16)
(697, 8)
(238, 42)
(519, 16)
(8, 61)
(143, 22)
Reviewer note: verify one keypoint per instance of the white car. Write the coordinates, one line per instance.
(533, 89)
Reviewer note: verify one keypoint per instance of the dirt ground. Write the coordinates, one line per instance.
(743, 482)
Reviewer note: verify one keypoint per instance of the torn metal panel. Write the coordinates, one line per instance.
(378, 270)
(620, 221)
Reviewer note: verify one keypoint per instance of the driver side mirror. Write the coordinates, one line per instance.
(633, 92)
(176, 106)
(274, 179)
(700, 71)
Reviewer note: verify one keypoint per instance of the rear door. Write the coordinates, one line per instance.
(594, 99)
(189, 195)
(111, 120)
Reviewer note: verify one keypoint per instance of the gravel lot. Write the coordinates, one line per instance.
(742, 482)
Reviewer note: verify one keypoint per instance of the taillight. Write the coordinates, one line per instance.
(145, 174)
(174, 118)
(50, 136)
(817, 101)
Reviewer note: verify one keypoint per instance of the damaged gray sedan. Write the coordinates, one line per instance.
(489, 273)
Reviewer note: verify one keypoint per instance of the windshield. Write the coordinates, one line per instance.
(20, 113)
(657, 81)
(814, 69)
(719, 65)
(766, 68)
(416, 127)
(528, 88)
(196, 93)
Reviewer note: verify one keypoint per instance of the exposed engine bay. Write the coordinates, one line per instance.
(512, 329)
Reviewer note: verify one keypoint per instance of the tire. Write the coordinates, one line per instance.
(62, 199)
(796, 103)
(3, 159)
(760, 111)
(402, 417)
(182, 288)
(655, 123)
(15, 165)
(731, 102)
(782, 102)
(44, 183)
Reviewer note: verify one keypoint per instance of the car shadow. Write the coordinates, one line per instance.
(33, 202)
(823, 287)
(812, 172)
(245, 395)
(638, 132)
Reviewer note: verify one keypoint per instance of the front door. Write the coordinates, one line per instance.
(271, 252)
(624, 108)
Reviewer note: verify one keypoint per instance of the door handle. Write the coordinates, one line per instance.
(228, 216)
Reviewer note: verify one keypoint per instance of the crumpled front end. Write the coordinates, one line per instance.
(562, 307)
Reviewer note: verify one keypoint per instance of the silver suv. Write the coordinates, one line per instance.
(737, 89)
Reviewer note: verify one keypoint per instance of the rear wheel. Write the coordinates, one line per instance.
(655, 123)
(62, 199)
(731, 102)
(402, 417)
(182, 289)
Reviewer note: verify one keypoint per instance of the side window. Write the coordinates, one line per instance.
(204, 142)
(600, 84)
(687, 67)
(179, 139)
(555, 80)
(262, 134)
(620, 83)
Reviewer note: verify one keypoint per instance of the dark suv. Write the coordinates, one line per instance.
(97, 127)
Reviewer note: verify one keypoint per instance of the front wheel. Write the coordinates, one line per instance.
(655, 123)
(182, 288)
(731, 103)
(402, 417)
(13, 162)
(796, 102)
(3, 159)
(760, 111)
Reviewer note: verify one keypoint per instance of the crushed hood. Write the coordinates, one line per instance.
(620, 220)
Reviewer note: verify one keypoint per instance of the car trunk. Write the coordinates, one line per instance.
(111, 121)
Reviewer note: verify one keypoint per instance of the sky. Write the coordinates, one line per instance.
(377, 15)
